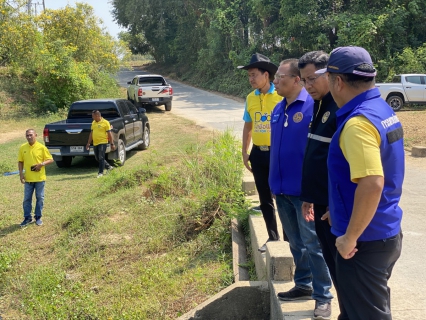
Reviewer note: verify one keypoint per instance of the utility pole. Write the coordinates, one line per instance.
(29, 6)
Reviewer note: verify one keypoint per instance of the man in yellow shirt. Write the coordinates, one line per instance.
(33, 157)
(100, 134)
(257, 129)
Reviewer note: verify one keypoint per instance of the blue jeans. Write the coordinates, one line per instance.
(29, 189)
(311, 269)
(99, 151)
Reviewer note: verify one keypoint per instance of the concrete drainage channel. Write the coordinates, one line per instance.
(255, 300)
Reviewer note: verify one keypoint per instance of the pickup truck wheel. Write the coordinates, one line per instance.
(64, 163)
(146, 139)
(395, 102)
(121, 152)
(168, 106)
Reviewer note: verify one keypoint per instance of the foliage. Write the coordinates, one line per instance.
(204, 41)
(65, 53)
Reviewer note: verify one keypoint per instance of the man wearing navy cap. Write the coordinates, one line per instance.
(366, 172)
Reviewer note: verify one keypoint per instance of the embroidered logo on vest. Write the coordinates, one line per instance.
(298, 117)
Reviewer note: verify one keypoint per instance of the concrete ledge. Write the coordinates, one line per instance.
(418, 151)
(289, 310)
(239, 253)
(240, 301)
(248, 185)
(279, 262)
(258, 236)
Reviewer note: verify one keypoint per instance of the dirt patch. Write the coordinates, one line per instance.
(9, 136)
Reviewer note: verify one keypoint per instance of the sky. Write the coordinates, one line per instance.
(102, 10)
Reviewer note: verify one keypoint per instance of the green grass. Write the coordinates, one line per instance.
(151, 240)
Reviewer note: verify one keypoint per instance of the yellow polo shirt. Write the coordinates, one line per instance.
(99, 131)
(258, 111)
(360, 144)
(31, 155)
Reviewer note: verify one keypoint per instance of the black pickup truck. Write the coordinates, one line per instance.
(67, 138)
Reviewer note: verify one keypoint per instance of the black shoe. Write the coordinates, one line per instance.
(322, 310)
(26, 222)
(262, 249)
(257, 209)
(295, 294)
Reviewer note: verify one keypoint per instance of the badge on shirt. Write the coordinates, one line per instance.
(325, 117)
(298, 116)
(275, 118)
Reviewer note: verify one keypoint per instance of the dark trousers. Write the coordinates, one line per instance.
(363, 279)
(329, 251)
(99, 151)
(259, 161)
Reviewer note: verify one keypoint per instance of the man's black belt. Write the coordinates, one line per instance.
(262, 148)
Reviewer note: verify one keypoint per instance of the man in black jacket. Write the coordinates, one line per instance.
(314, 192)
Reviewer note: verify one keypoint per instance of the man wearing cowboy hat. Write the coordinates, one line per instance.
(257, 117)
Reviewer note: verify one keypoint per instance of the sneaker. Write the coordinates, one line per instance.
(322, 310)
(262, 249)
(100, 175)
(295, 294)
(257, 209)
(110, 168)
(26, 222)
(39, 222)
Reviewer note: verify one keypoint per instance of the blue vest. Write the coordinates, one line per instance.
(387, 219)
(289, 132)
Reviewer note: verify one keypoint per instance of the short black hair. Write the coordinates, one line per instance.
(294, 69)
(354, 80)
(318, 58)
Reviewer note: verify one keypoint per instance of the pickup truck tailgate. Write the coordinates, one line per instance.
(72, 134)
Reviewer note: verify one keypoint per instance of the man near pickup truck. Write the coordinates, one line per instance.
(33, 157)
(257, 116)
(100, 134)
(366, 172)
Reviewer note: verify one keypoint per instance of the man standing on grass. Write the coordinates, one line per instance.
(289, 130)
(33, 157)
(366, 172)
(257, 116)
(100, 134)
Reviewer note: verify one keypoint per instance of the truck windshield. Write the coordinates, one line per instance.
(158, 81)
(84, 110)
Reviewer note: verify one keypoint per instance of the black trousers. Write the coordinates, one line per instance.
(363, 279)
(329, 252)
(99, 151)
(259, 161)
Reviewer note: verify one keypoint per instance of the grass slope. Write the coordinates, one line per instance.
(149, 241)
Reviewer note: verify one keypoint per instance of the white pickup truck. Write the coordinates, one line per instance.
(150, 89)
(404, 89)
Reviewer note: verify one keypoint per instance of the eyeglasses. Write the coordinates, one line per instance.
(282, 75)
(309, 81)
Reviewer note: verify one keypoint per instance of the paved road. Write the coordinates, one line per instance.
(408, 282)
(205, 108)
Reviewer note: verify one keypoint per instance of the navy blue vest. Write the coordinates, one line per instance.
(387, 219)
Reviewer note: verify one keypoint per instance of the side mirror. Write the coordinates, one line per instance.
(129, 82)
(142, 110)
